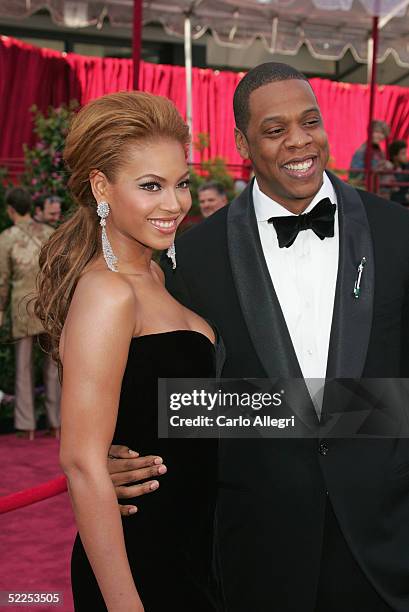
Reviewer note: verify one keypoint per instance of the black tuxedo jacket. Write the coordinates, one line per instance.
(272, 493)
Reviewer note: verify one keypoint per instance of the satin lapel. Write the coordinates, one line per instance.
(258, 299)
(352, 318)
(262, 311)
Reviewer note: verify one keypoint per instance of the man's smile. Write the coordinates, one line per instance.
(301, 167)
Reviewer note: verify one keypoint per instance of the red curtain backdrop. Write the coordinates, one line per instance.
(29, 75)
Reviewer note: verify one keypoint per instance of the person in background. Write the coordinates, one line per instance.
(379, 163)
(380, 131)
(48, 210)
(398, 157)
(212, 196)
(20, 247)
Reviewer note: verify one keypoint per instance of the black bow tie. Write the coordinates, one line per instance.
(320, 219)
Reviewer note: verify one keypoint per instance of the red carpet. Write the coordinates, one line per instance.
(36, 540)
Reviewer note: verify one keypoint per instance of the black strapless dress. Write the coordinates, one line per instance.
(169, 541)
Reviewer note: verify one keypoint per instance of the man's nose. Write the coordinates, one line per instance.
(298, 137)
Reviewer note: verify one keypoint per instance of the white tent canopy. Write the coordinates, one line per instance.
(328, 27)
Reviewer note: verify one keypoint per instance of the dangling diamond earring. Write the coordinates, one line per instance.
(110, 259)
(171, 253)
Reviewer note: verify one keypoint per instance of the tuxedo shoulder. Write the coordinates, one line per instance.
(384, 211)
(205, 231)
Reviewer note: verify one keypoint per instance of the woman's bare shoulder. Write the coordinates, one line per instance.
(106, 285)
(104, 301)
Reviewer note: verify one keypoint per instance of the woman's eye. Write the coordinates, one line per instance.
(184, 184)
(152, 186)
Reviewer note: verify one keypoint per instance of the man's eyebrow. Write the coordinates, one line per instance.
(313, 109)
(272, 118)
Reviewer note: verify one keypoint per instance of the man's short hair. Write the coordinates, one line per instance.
(218, 187)
(19, 199)
(395, 147)
(43, 199)
(270, 72)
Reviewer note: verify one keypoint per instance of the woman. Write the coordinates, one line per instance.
(115, 329)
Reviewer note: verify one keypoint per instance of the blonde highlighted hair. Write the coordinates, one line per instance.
(96, 141)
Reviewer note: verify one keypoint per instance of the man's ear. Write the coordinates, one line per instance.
(241, 143)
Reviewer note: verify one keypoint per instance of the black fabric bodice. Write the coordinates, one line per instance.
(175, 354)
(170, 540)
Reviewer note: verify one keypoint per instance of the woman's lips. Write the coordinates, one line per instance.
(165, 226)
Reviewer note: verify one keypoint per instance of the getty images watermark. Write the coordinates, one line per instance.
(226, 401)
(253, 408)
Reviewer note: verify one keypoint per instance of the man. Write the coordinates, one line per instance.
(398, 156)
(212, 197)
(48, 210)
(303, 525)
(20, 247)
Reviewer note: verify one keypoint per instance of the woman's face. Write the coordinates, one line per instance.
(377, 136)
(150, 194)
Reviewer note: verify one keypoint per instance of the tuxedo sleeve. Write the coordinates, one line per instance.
(405, 337)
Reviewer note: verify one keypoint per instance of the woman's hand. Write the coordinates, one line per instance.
(126, 466)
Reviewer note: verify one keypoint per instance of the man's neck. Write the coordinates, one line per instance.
(295, 206)
(22, 218)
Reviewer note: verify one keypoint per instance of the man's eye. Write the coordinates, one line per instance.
(151, 186)
(312, 122)
(275, 132)
(184, 184)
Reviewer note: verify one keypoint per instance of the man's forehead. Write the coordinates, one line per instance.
(281, 98)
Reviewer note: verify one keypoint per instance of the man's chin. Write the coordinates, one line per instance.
(305, 189)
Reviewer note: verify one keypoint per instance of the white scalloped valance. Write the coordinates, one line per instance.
(328, 27)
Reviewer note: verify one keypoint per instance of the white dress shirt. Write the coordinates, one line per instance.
(304, 276)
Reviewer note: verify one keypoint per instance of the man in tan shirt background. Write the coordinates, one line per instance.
(20, 247)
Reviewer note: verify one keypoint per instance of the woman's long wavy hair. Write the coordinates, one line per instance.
(96, 141)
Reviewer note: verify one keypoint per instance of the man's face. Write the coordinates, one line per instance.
(401, 157)
(211, 200)
(286, 142)
(52, 212)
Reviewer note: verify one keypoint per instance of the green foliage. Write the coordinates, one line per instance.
(201, 143)
(44, 173)
(44, 166)
(6, 358)
(5, 183)
(214, 169)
